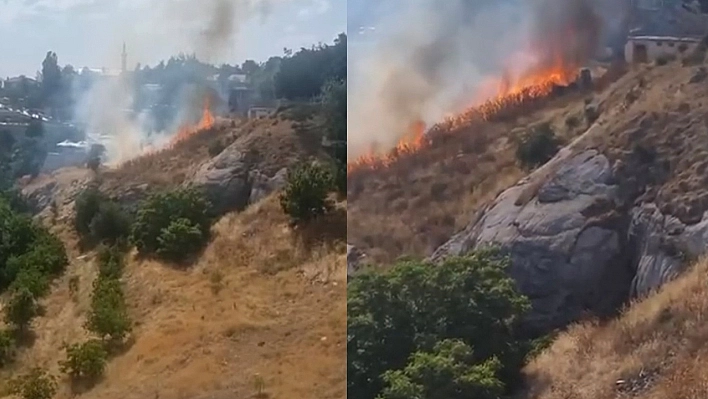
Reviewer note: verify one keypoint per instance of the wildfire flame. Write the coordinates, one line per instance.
(186, 131)
(535, 84)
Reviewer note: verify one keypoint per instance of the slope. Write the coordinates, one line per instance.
(655, 349)
(261, 302)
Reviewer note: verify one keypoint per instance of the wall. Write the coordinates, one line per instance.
(657, 49)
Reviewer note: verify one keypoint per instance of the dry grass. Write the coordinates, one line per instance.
(271, 144)
(279, 312)
(416, 204)
(656, 350)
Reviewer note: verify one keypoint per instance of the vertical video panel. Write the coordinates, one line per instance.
(509, 171)
(173, 199)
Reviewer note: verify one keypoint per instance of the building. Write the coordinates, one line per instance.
(17, 82)
(260, 112)
(662, 28)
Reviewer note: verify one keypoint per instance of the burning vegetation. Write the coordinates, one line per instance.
(511, 94)
(186, 131)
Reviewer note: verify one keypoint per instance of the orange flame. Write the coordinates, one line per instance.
(534, 84)
(186, 131)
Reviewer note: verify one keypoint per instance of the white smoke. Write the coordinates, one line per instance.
(205, 28)
(437, 57)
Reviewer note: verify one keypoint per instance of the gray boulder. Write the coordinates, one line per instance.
(262, 185)
(663, 247)
(225, 179)
(565, 238)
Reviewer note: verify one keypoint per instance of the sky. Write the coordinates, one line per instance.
(91, 32)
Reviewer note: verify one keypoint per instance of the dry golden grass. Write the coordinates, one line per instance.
(257, 303)
(416, 204)
(271, 144)
(655, 350)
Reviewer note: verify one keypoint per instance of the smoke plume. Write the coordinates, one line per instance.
(441, 57)
(206, 28)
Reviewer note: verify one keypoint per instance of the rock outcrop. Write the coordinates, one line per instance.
(577, 241)
(232, 181)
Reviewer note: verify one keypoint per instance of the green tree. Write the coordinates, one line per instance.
(7, 347)
(51, 78)
(21, 309)
(86, 206)
(108, 317)
(305, 194)
(36, 384)
(86, 361)
(110, 225)
(179, 240)
(415, 305)
(159, 211)
(449, 371)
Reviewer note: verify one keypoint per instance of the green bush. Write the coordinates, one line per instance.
(7, 347)
(33, 280)
(21, 309)
(110, 262)
(416, 305)
(156, 215)
(450, 371)
(108, 317)
(537, 147)
(110, 224)
(37, 384)
(48, 257)
(86, 207)
(85, 361)
(305, 194)
(179, 240)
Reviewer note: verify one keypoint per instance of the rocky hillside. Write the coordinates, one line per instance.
(615, 214)
(261, 309)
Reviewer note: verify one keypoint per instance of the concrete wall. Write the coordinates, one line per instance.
(657, 49)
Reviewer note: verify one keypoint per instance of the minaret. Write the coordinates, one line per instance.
(124, 60)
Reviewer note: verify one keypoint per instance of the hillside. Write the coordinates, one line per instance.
(615, 215)
(655, 349)
(261, 302)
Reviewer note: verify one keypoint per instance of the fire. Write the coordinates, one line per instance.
(506, 93)
(186, 131)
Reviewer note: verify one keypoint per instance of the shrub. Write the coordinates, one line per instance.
(85, 361)
(21, 309)
(86, 207)
(47, 257)
(416, 305)
(305, 194)
(537, 147)
(158, 212)
(110, 224)
(449, 371)
(108, 316)
(215, 148)
(110, 262)
(37, 384)
(7, 347)
(33, 280)
(179, 240)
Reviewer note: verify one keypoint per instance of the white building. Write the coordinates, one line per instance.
(643, 49)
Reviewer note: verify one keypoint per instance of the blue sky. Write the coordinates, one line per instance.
(90, 32)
